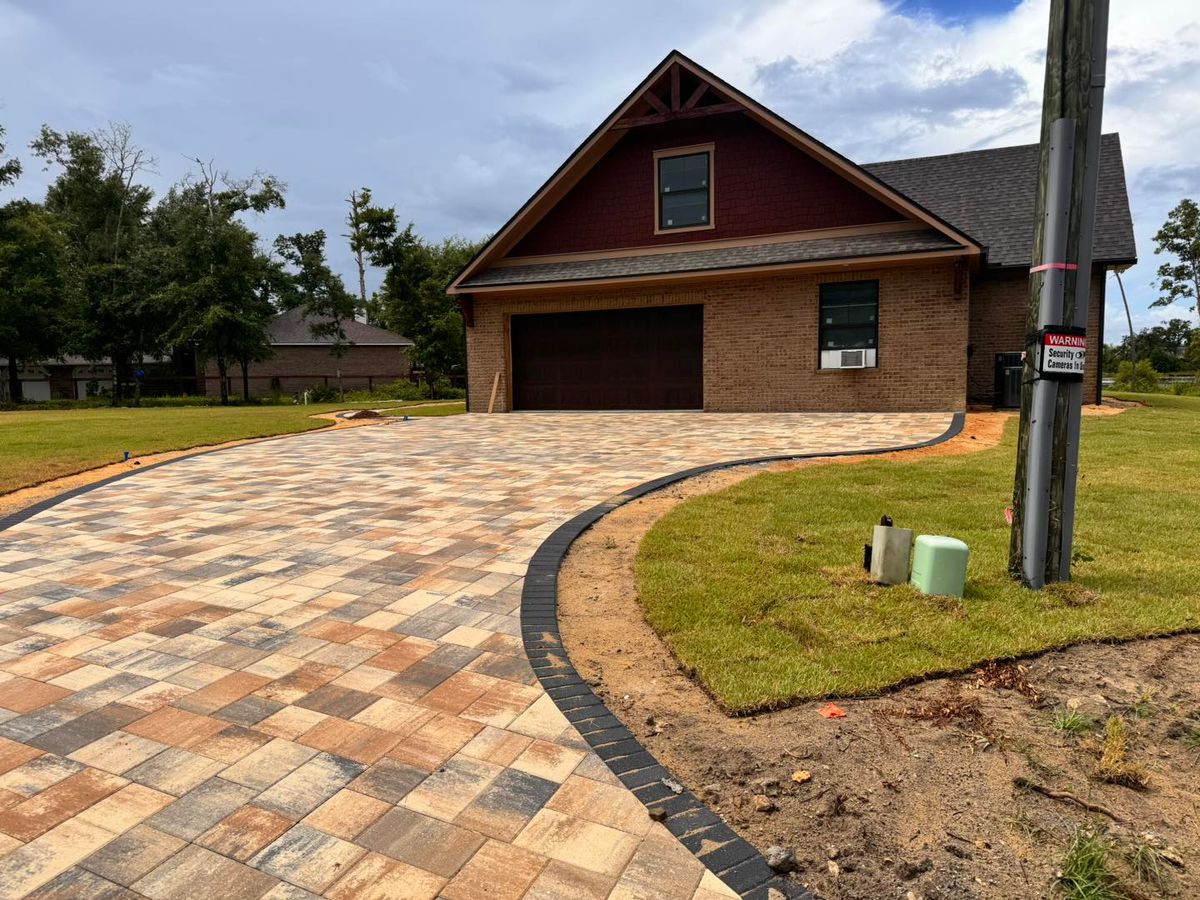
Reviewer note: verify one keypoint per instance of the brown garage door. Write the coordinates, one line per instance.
(617, 359)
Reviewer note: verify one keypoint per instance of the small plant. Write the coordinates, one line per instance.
(1145, 864)
(1086, 872)
(610, 543)
(1071, 721)
(1024, 825)
(1143, 707)
(1191, 738)
(1114, 765)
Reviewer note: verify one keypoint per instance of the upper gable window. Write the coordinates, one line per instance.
(683, 188)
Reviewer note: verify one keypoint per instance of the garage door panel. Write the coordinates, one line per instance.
(649, 358)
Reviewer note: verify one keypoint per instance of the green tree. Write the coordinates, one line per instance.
(319, 293)
(1164, 347)
(412, 299)
(371, 229)
(211, 269)
(1180, 237)
(105, 210)
(10, 170)
(33, 287)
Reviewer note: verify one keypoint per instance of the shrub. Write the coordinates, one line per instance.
(442, 389)
(1146, 382)
(322, 393)
(397, 390)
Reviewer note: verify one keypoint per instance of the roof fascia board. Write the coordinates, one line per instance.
(668, 278)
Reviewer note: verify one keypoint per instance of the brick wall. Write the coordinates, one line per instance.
(999, 303)
(760, 342)
(300, 368)
(761, 185)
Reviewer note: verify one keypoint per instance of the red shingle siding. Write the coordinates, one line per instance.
(761, 185)
(999, 304)
(760, 342)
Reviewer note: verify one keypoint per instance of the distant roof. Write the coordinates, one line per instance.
(291, 328)
(990, 195)
(763, 254)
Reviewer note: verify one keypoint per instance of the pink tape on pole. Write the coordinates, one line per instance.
(1068, 267)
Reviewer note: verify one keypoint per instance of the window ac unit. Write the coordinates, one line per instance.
(852, 359)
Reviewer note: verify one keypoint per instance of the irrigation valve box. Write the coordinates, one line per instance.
(890, 548)
(1062, 352)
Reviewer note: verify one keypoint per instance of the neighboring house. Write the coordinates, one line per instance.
(699, 252)
(67, 378)
(300, 361)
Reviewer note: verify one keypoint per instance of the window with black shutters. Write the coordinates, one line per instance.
(683, 181)
(849, 318)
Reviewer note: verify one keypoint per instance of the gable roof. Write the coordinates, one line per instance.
(291, 329)
(630, 113)
(991, 195)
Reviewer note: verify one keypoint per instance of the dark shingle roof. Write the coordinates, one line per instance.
(291, 328)
(847, 247)
(990, 194)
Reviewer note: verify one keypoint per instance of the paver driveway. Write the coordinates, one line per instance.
(296, 666)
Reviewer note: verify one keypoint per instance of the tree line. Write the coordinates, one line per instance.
(1174, 346)
(103, 269)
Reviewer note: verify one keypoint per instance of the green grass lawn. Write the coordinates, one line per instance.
(39, 445)
(759, 588)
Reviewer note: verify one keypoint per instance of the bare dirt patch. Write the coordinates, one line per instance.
(959, 787)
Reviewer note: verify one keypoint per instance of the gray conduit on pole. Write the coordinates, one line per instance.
(1050, 312)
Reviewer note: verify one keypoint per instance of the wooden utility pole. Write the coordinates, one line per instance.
(1059, 286)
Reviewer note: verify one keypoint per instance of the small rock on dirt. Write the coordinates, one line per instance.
(768, 786)
(781, 859)
(800, 776)
(764, 804)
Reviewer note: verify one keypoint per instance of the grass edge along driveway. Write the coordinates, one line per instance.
(37, 446)
(758, 588)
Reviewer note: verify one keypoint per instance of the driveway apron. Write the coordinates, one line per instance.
(295, 668)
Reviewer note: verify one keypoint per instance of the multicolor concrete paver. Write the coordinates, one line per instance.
(294, 668)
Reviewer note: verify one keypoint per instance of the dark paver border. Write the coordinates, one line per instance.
(728, 856)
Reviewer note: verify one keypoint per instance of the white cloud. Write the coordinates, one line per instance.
(880, 84)
(457, 112)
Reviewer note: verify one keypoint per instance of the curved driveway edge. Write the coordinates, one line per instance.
(299, 666)
(727, 855)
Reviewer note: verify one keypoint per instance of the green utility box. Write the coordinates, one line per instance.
(939, 565)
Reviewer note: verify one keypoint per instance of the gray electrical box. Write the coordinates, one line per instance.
(890, 549)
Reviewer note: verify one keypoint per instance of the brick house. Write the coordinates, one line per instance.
(300, 361)
(697, 251)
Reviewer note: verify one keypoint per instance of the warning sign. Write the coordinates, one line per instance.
(1064, 353)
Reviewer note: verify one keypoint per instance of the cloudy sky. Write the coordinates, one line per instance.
(456, 111)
